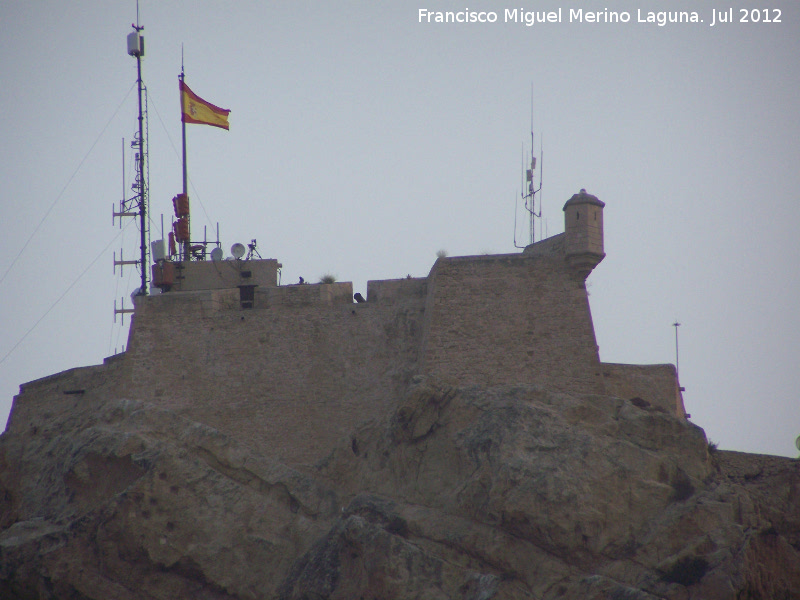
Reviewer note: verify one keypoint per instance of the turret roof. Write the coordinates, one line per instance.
(584, 198)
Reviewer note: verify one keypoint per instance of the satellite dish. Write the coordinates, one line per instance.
(238, 250)
(216, 254)
(797, 442)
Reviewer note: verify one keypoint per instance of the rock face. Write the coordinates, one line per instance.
(468, 493)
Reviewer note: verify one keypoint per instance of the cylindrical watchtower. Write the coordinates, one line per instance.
(583, 225)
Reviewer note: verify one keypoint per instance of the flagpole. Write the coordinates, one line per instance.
(185, 249)
(194, 110)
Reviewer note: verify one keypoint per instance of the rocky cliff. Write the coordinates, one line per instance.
(469, 493)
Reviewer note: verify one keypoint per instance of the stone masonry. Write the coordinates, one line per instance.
(292, 369)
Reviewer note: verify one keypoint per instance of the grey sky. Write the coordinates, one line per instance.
(363, 141)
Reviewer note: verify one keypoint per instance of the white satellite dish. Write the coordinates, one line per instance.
(238, 250)
(216, 254)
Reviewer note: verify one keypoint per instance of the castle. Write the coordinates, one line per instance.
(291, 369)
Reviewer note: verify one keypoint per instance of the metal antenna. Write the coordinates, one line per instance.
(136, 49)
(541, 176)
(677, 364)
(529, 196)
(140, 184)
(124, 191)
(522, 187)
(533, 166)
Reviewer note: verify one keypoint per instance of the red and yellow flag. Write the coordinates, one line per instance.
(196, 110)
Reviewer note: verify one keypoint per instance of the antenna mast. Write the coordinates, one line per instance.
(529, 190)
(677, 363)
(136, 49)
(135, 206)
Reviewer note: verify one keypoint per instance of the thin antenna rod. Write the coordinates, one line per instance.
(122, 202)
(531, 115)
(515, 222)
(677, 364)
(522, 188)
(541, 175)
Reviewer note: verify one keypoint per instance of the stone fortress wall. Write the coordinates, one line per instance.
(292, 369)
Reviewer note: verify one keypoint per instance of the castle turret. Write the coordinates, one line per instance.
(583, 225)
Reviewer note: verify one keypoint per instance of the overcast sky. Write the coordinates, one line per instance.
(363, 141)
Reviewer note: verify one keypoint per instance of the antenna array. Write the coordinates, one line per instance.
(529, 189)
(136, 205)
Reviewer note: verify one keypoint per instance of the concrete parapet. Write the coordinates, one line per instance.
(552, 245)
(41, 399)
(221, 274)
(655, 384)
(394, 290)
(741, 466)
(509, 318)
(305, 295)
(263, 297)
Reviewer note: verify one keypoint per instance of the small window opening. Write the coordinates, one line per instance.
(246, 295)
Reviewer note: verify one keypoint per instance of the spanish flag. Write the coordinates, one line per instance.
(196, 110)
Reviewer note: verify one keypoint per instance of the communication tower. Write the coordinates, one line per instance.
(136, 205)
